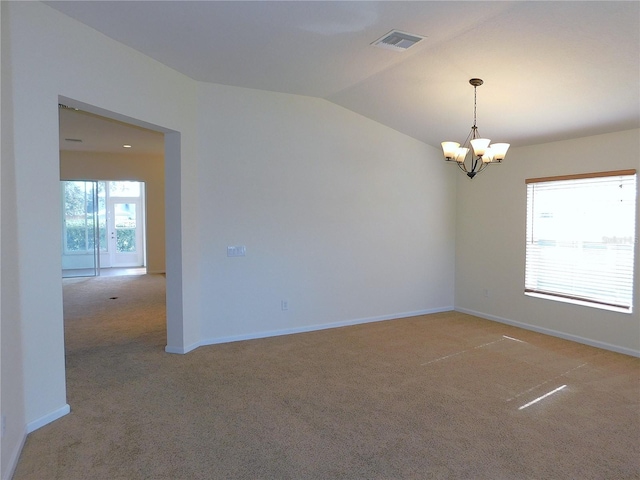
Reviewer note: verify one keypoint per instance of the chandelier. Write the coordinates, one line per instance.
(482, 154)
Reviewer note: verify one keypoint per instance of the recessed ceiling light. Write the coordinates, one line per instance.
(126, 146)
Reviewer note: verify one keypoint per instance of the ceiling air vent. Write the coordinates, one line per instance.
(398, 41)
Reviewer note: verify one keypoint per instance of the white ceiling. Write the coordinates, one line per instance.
(100, 134)
(552, 70)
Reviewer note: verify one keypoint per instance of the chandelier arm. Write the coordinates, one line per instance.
(482, 167)
(467, 142)
(482, 164)
(474, 164)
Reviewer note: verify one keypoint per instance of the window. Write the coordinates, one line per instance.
(581, 238)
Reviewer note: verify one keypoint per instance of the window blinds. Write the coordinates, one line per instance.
(581, 237)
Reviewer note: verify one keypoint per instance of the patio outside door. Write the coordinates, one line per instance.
(126, 242)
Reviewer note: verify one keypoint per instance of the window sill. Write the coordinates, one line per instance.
(579, 302)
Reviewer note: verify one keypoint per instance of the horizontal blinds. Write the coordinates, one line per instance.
(581, 237)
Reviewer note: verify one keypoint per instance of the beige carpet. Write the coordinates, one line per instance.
(440, 396)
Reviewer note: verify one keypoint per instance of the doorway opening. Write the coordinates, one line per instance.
(162, 176)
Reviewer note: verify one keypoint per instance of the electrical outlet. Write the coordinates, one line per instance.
(285, 305)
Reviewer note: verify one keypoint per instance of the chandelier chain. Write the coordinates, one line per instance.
(475, 99)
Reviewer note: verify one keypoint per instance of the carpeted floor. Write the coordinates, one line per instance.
(444, 396)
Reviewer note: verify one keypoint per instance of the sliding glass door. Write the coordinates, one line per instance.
(84, 224)
(103, 226)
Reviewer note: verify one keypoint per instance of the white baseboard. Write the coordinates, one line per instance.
(10, 467)
(553, 333)
(50, 417)
(312, 328)
(182, 350)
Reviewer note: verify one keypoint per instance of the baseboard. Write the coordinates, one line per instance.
(10, 469)
(182, 350)
(50, 417)
(553, 333)
(313, 328)
(156, 272)
(176, 350)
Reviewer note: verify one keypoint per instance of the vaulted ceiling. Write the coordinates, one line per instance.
(552, 70)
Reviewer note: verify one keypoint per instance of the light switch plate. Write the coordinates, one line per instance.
(236, 251)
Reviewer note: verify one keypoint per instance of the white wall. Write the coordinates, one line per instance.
(11, 359)
(54, 56)
(142, 168)
(344, 218)
(490, 237)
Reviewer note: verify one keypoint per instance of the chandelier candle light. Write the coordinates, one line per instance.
(483, 154)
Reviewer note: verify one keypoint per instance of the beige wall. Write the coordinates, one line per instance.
(490, 242)
(142, 168)
(346, 219)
